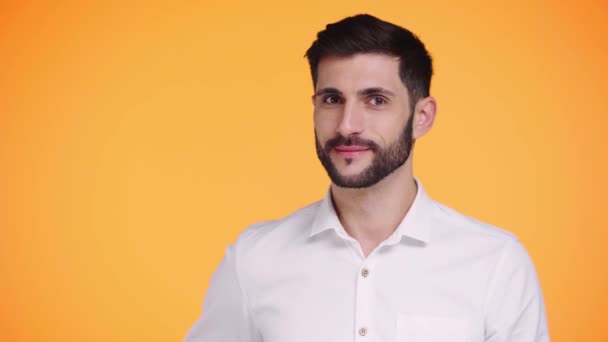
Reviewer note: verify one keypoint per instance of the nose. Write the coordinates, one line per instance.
(352, 120)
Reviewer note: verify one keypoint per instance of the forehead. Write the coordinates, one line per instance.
(359, 71)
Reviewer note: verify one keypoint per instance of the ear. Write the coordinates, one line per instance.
(424, 116)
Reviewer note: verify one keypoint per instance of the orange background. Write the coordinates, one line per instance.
(137, 139)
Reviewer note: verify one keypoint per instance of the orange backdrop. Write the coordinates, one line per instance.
(137, 139)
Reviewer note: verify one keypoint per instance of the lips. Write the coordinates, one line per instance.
(351, 151)
(351, 148)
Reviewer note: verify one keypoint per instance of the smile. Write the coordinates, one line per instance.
(351, 151)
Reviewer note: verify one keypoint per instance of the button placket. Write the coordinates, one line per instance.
(364, 305)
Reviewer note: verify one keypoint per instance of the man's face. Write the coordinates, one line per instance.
(363, 124)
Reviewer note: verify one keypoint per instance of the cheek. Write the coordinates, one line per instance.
(324, 125)
(388, 131)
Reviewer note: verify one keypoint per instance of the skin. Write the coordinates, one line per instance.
(363, 96)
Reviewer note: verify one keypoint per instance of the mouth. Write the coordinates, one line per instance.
(351, 150)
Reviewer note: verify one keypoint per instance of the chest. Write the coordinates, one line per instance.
(409, 295)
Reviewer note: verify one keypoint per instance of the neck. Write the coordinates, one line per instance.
(371, 215)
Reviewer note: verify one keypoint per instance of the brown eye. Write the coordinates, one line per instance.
(331, 99)
(377, 101)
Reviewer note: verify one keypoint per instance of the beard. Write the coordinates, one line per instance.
(385, 161)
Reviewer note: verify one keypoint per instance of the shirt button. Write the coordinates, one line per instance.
(363, 331)
(365, 272)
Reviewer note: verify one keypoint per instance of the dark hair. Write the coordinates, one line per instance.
(364, 33)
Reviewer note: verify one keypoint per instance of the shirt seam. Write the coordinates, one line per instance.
(243, 293)
(493, 279)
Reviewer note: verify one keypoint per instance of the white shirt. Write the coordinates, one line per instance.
(440, 276)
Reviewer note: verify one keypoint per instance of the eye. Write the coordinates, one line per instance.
(377, 101)
(332, 99)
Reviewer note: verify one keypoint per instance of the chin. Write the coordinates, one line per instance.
(351, 172)
(355, 165)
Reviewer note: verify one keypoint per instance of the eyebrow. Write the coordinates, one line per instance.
(374, 91)
(329, 90)
(363, 92)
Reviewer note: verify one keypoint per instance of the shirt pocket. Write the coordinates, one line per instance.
(429, 328)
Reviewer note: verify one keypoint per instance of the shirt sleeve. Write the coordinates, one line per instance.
(225, 316)
(515, 309)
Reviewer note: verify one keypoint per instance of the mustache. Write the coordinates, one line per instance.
(351, 140)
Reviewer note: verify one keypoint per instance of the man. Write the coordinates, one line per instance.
(377, 259)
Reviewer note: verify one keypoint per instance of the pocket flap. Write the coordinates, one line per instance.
(430, 328)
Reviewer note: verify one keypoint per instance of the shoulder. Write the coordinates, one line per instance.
(273, 233)
(465, 233)
(448, 223)
(461, 236)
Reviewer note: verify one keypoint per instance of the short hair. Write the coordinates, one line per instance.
(365, 33)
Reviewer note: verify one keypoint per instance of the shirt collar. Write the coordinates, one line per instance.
(415, 224)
